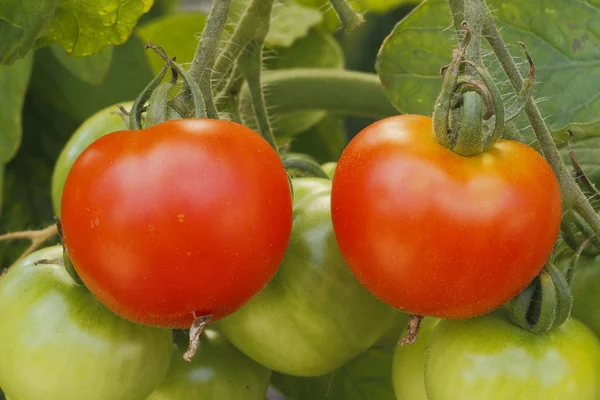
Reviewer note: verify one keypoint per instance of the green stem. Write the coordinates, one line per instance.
(257, 19)
(338, 91)
(204, 59)
(349, 18)
(306, 165)
(469, 140)
(135, 115)
(512, 133)
(199, 106)
(443, 104)
(251, 63)
(253, 24)
(158, 109)
(572, 196)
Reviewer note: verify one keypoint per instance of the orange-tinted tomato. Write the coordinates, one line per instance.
(186, 218)
(434, 233)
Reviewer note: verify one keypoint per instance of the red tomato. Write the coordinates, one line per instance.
(434, 233)
(186, 218)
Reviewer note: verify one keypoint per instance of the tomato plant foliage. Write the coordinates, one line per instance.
(565, 51)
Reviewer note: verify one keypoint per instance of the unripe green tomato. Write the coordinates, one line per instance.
(490, 358)
(329, 168)
(408, 371)
(59, 343)
(218, 371)
(585, 289)
(395, 330)
(313, 316)
(103, 122)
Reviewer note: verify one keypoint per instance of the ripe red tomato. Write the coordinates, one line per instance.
(186, 218)
(434, 233)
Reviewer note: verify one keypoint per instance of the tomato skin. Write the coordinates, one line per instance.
(183, 219)
(490, 358)
(433, 233)
(408, 370)
(103, 122)
(313, 316)
(218, 371)
(59, 343)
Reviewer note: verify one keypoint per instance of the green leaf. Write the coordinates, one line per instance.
(176, 33)
(382, 6)
(27, 202)
(160, 8)
(587, 154)
(367, 377)
(561, 36)
(129, 73)
(290, 21)
(14, 80)
(410, 58)
(330, 22)
(316, 50)
(22, 22)
(84, 27)
(13, 83)
(91, 69)
(325, 141)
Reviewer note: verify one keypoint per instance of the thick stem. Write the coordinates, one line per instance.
(470, 136)
(252, 66)
(258, 18)
(204, 59)
(349, 18)
(572, 196)
(443, 105)
(253, 24)
(338, 91)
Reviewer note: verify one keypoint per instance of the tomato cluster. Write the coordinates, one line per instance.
(197, 218)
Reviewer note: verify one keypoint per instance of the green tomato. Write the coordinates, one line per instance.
(395, 330)
(103, 122)
(313, 316)
(218, 371)
(329, 168)
(409, 364)
(59, 343)
(490, 358)
(586, 293)
(585, 288)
